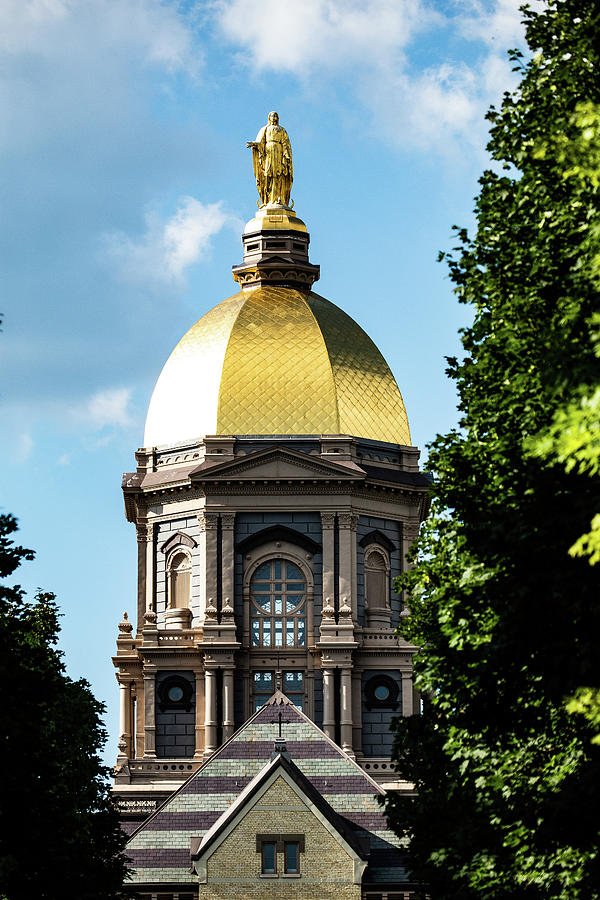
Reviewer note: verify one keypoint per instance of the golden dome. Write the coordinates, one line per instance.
(273, 360)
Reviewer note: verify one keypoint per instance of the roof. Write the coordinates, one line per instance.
(160, 847)
(282, 761)
(274, 360)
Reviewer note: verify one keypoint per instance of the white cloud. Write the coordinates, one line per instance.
(387, 51)
(109, 407)
(168, 248)
(146, 29)
(300, 34)
(496, 23)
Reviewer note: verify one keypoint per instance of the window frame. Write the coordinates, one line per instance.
(272, 873)
(285, 618)
(287, 552)
(171, 574)
(371, 610)
(287, 844)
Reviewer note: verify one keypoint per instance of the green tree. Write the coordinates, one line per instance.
(59, 832)
(504, 593)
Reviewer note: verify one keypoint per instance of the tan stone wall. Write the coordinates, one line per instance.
(326, 869)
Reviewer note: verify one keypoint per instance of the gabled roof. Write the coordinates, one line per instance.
(160, 847)
(282, 762)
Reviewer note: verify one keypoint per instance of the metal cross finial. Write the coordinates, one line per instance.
(280, 717)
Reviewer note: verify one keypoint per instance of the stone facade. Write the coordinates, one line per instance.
(266, 568)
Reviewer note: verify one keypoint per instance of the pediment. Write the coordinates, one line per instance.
(278, 464)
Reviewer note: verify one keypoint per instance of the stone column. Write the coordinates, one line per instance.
(228, 718)
(145, 592)
(210, 711)
(149, 713)
(328, 703)
(348, 524)
(328, 526)
(357, 712)
(208, 559)
(407, 694)
(199, 723)
(227, 557)
(150, 575)
(346, 711)
(125, 717)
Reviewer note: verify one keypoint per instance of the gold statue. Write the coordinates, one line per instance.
(272, 162)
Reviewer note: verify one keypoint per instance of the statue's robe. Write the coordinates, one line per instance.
(272, 162)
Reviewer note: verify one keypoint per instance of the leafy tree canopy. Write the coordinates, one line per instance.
(59, 832)
(504, 591)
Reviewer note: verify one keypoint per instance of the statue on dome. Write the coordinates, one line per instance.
(272, 162)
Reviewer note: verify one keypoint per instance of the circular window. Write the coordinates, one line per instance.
(175, 693)
(381, 692)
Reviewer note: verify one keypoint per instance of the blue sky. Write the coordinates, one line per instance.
(127, 183)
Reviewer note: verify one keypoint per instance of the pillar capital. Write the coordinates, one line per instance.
(228, 521)
(144, 531)
(348, 521)
(208, 521)
(327, 521)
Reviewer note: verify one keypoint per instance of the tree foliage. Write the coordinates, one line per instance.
(504, 591)
(59, 832)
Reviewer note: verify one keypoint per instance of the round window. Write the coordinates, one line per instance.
(175, 693)
(381, 692)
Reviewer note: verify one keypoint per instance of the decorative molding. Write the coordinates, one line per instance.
(348, 521)
(144, 531)
(176, 540)
(228, 521)
(378, 537)
(278, 533)
(328, 521)
(208, 521)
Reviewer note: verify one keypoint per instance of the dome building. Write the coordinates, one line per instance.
(275, 499)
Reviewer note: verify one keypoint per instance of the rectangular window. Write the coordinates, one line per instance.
(269, 858)
(291, 858)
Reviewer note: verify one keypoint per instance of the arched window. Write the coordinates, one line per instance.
(377, 586)
(180, 574)
(278, 605)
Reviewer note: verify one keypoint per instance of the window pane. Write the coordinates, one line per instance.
(289, 633)
(263, 573)
(260, 701)
(255, 632)
(268, 858)
(291, 857)
(263, 681)
(277, 568)
(264, 601)
(301, 631)
(278, 632)
(266, 641)
(297, 700)
(278, 587)
(292, 601)
(293, 681)
(278, 605)
(293, 573)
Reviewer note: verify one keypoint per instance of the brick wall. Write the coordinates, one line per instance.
(175, 735)
(326, 869)
(377, 737)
